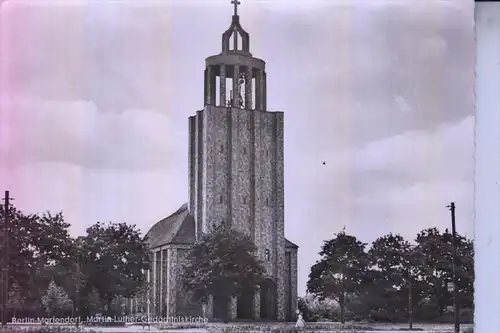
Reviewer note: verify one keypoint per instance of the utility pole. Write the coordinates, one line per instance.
(410, 302)
(456, 315)
(5, 259)
(148, 293)
(78, 283)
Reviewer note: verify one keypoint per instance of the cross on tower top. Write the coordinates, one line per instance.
(235, 3)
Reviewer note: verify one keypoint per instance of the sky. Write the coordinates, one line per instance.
(95, 98)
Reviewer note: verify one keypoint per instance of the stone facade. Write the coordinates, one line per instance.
(236, 176)
(239, 180)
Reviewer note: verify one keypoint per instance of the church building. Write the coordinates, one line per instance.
(235, 177)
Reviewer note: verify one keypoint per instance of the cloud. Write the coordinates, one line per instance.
(444, 155)
(86, 197)
(370, 52)
(359, 59)
(75, 132)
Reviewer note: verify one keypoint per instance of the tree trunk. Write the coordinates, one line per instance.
(108, 305)
(342, 307)
(227, 302)
(410, 303)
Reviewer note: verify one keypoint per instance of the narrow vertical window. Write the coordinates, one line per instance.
(217, 90)
(267, 255)
(267, 201)
(221, 148)
(244, 200)
(254, 93)
(220, 199)
(267, 153)
(244, 151)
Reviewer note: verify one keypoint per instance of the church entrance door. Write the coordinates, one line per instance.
(221, 307)
(268, 300)
(245, 306)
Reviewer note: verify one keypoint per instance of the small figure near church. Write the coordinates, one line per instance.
(300, 321)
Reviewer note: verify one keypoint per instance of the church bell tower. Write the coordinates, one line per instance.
(234, 77)
(236, 156)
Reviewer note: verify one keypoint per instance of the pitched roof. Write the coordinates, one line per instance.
(290, 244)
(177, 228)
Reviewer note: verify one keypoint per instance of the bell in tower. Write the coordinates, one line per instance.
(234, 78)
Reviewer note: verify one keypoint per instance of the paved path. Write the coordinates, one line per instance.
(126, 329)
(380, 328)
(131, 329)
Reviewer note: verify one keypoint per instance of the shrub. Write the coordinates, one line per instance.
(467, 315)
(304, 307)
(383, 316)
(314, 309)
(167, 326)
(104, 323)
(56, 300)
(286, 328)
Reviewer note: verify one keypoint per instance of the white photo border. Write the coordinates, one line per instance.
(487, 168)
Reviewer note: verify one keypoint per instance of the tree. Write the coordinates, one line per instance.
(119, 304)
(464, 268)
(36, 243)
(340, 271)
(435, 255)
(77, 279)
(114, 257)
(15, 301)
(465, 271)
(222, 264)
(91, 302)
(56, 301)
(393, 262)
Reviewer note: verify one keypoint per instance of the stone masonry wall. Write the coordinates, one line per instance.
(175, 300)
(209, 157)
(288, 259)
(152, 280)
(220, 176)
(196, 170)
(192, 163)
(164, 281)
(279, 213)
(241, 160)
(240, 180)
(264, 186)
(157, 308)
(294, 285)
(291, 284)
(172, 282)
(258, 197)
